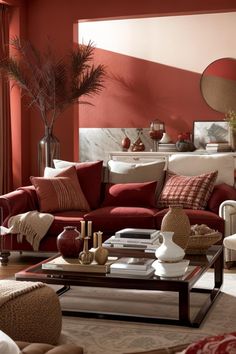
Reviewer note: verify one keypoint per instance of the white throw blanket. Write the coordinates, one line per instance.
(33, 225)
(10, 289)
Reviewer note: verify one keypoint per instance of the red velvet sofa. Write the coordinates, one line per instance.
(126, 205)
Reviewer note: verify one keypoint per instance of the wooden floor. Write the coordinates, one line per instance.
(18, 262)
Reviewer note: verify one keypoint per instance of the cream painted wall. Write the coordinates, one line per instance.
(185, 42)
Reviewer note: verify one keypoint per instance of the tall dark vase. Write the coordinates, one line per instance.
(48, 149)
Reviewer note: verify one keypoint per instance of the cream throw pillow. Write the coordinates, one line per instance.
(193, 165)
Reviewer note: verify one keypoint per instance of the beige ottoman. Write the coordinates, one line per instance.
(30, 312)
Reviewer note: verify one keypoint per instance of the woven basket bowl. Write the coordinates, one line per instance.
(200, 243)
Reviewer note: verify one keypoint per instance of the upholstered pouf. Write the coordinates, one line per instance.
(30, 312)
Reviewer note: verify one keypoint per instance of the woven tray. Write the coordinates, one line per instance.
(198, 244)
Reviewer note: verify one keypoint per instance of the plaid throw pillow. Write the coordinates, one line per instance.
(190, 192)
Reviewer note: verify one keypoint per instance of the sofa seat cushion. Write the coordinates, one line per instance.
(66, 218)
(209, 218)
(112, 218)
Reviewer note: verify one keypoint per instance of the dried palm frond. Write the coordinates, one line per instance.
(52, 84)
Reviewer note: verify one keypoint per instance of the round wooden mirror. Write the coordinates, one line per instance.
(218, 85)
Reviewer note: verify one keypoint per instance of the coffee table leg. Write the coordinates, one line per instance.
(184, 305)
(219, 270)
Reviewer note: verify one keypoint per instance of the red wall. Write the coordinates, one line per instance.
(138, 91)
(55, 19)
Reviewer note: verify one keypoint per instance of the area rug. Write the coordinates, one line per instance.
(99, 336)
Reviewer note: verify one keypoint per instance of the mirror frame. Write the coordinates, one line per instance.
(218, 85)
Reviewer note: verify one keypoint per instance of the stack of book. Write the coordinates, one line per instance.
(218, 147)
(131, 266)
(167, 147)
(135, 239)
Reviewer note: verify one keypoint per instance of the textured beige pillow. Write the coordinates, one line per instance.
(127, 172)
(60, 193)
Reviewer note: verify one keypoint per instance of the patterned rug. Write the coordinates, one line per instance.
(99, 336)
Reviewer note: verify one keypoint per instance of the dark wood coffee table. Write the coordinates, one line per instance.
(184, 287)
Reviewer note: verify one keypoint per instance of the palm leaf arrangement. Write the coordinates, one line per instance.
(230, 117)
(51, 83)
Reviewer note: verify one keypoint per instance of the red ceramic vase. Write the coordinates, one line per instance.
(69, 243)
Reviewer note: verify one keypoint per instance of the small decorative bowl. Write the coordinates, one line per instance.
(198, 244)
(170, 270)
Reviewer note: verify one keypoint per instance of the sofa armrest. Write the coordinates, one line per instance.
(220, 193)
(19, 201)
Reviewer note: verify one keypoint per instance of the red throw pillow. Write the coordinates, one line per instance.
(190, 192)
(130, 194)
(225, 343)
(220, 193)
(90, 178)
(60, 193)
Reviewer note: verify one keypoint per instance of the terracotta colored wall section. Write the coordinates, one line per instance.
(132, 97)
(137, 91)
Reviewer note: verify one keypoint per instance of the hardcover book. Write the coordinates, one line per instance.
(137, 233)
(128, 273)
(121, 240)
(132, 263)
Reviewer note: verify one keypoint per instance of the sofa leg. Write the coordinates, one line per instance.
(4, 258)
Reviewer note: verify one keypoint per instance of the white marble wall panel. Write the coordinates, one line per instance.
(97, 143)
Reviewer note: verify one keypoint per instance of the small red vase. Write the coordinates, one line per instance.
(69, 243)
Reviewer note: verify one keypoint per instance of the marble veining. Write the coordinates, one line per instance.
(97, 143)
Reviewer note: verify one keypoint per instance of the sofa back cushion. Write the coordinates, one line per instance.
(60, 193)
(130, 194)
(90, 178)
(188, 192)
(193, 165)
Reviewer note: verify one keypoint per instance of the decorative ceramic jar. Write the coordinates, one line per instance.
(169, 251)
(177, 221)
(69, 243)
(86, 257)
(101, 253)
(170, 270)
